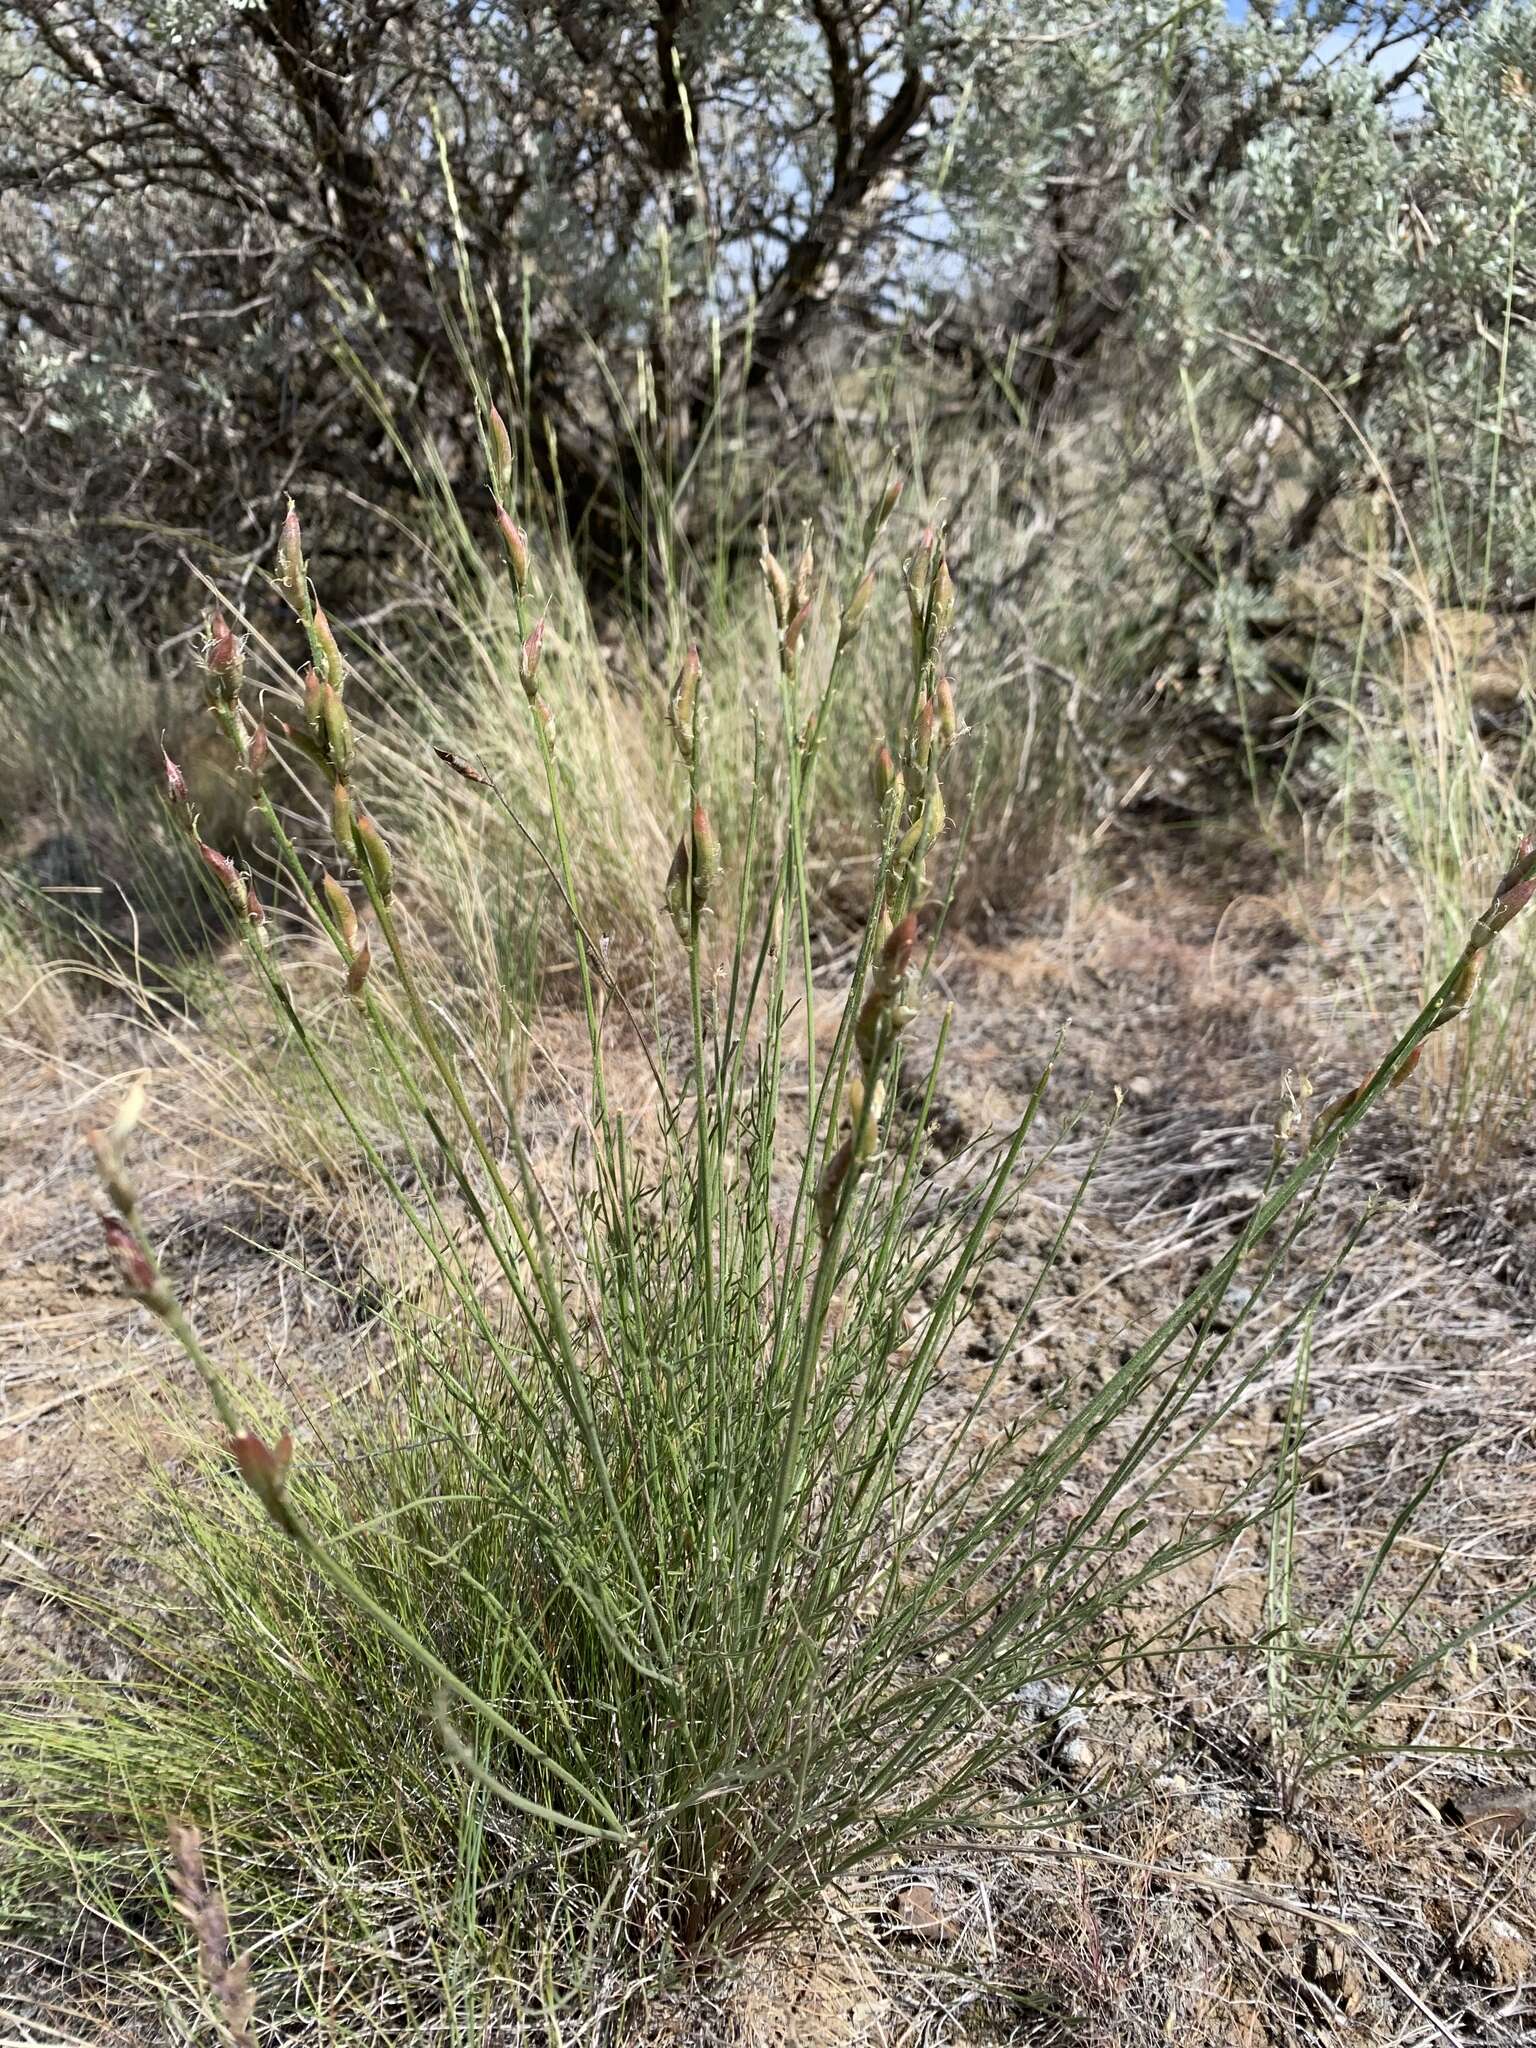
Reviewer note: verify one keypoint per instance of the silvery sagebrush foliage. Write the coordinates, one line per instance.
(1372, 258)
(212, 209)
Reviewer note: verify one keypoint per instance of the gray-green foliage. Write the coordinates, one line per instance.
(203, 203)
(1365, 275)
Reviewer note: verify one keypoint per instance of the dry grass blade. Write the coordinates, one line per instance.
(201, 1903)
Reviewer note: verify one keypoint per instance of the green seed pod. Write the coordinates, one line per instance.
(777, 583)
(944, 706)
(919, 566)
(373, 856)
(943, 606)
(336, 733)
(1463, 989)
(855, 609)
(933, 816)
(676, 894)
(682, 706)
(880, 512)
(805, 572)
(922, 735)
(866, 1118)
(341, 819)
(707, 861)
(343, 916)
(501, 454)
(867, 1027)
(333, 669)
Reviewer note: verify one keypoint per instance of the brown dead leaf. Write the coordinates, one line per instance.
(917, 1911)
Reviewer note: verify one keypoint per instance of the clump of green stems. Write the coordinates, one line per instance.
(638, 1567)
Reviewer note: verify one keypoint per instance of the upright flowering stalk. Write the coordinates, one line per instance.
(1511, 894)
(906, 784)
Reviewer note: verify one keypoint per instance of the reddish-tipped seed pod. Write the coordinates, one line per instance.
(225, 662)
(896, 953)
(265, 1472)
(1514, 891)
(314, 697)
(1513, 894)
(176, 794)
(227, 875)
(795, 628)
(135, 1271)
(258, 749)
(515, 541)
(694, 873)
(1523, 852)
(707, 862)
(291, 577)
